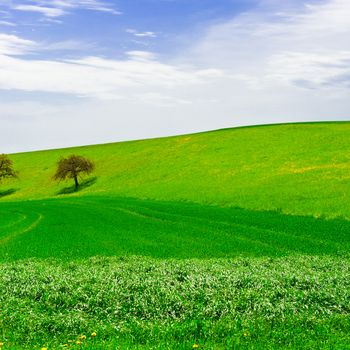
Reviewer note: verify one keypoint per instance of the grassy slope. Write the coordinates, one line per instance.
(290, 291)
(301, 168)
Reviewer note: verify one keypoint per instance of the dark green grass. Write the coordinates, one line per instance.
(76, 228)
(142, 303)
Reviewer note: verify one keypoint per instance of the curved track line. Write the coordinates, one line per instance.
(237, 236)
(300, 237)
(20, 232)
(23, 217)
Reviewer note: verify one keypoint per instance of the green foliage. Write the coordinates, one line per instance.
(6, 167)
(296, 302)
(300, 168)
(73, 167)
(73, 228)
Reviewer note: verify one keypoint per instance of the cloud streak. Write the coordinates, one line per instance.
(7, 23)
(58, 8)
(13, 45)
(46, 11)
(136, 33)
(307, 48)
(139, 74)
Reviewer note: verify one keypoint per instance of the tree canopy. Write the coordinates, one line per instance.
(6, 167)
(73, 167)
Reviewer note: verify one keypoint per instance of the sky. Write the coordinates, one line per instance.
(77, 72)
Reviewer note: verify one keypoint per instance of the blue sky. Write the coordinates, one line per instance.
(119, 70)
(160, 25)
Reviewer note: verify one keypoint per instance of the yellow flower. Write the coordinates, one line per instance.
(78, 342)
(195, 346)
(246, 334)
(1, 344)
(43, 348)
(93, 334)
(82, 337)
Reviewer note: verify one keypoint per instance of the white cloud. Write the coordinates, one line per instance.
(312, 70)
(13, 45)
(57, 8)
(147, 34)
(7, 23)
(141, 55)
(46, 11)
(131, 78)
(66, 45)
(307, 48)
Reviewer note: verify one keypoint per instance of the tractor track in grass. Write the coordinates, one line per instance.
(237, 236)
(14, 223)
(90, 226)
(258, 229)
(270, 238)
(20, 232)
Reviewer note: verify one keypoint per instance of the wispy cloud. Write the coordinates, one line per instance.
(96, 77)
(312, 70)
(141, 34)
(58, 8)
(8, 24)
(66, 46)
(13, 45)
(308, 47)
(46, 11)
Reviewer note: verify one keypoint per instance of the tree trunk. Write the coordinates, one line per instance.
(76, 182)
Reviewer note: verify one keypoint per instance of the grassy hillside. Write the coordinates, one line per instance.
(162, 247)
(299, 168)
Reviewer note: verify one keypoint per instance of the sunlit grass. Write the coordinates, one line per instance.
(299, 168)
(140, 303)
(73, 228)
(182, 243)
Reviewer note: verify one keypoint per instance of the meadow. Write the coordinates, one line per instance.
(298, 168)
(143, 303)
(233, 239)
(77, 228)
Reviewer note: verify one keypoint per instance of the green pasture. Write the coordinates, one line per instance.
(299, 168)
(232, 239)
(81, 227)
(142, 303)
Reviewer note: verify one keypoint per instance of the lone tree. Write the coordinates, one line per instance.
(6, 167)
(72, 168)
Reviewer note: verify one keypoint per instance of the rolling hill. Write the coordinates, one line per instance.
(231, 239)
(296, 168)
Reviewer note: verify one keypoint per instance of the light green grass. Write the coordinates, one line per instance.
(300, 168)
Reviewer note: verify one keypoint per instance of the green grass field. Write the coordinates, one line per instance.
(76, 228)
(233, 239)
(299, 168)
